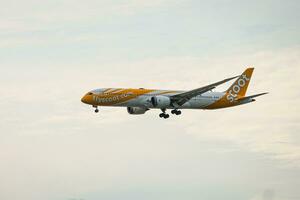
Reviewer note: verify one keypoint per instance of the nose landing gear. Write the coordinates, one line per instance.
(96, 109)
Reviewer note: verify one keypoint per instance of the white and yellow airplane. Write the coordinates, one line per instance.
(139, 101)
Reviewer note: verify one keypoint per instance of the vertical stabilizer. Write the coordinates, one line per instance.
(239, 87)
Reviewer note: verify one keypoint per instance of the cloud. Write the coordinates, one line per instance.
(57, 146)
(54, 147)
(35, 23)
(266, 126)
(34, 15)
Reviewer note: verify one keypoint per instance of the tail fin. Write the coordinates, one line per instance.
(239, 87)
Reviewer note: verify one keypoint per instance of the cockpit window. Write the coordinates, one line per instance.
(97, 91)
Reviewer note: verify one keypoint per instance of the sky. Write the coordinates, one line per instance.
(53, 147)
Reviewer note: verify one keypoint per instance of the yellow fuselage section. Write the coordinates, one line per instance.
(141, 98)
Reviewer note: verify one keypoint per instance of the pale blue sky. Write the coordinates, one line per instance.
(53, 147)
(53, 31)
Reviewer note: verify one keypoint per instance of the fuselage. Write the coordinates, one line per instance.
(120, 97)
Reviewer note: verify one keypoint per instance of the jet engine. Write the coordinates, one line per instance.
(160, 101)
(136, 110)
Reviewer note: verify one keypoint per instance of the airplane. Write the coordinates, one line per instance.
(139, 101)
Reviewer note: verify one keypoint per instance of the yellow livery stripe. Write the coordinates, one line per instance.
(120, 96)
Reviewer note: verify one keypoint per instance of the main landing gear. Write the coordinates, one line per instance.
(96, 109)
(176, 112)
(164, 114)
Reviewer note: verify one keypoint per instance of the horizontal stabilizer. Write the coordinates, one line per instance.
(252, 96)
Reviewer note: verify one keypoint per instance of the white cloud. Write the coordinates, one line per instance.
(31, 23)
(54, 147)
(21, 16)
(267, 126)
(70, 152)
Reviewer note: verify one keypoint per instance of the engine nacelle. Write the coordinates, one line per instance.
(160, 101)
(136, 110)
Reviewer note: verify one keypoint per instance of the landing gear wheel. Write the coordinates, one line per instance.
(96, 109)
(176, 112)
(164, 115)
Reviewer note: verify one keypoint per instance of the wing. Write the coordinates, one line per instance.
(180, 99)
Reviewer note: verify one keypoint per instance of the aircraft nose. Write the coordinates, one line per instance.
(84, 99)
(87, 98)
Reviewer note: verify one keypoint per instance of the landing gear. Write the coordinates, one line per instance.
(96, 109)
(163, 114)
(176, 112)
